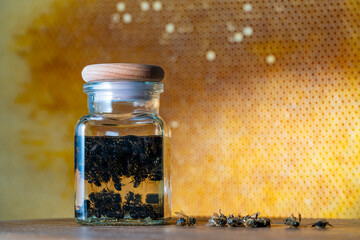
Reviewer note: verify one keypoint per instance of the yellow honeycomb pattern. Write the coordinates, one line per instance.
(263, 98)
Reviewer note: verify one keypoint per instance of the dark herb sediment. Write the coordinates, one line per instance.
(109, 204)
(136, 157)
(107, 161)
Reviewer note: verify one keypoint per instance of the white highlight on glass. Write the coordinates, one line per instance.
(127, 18)
(247, 7)
(270, 59)
(157, 6)
(170, 28)
(145, 6)
(248, 31)
(120, 6)
(210, 55)
(111, 133)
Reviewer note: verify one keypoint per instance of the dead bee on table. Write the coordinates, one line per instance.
(217, 220)
(263, 222)
(184, 219)
(321, 224)
(250, 221)
(255, 221)
(292, 222)
(235, 221)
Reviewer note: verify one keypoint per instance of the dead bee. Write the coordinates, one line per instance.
(184, 219)
(321, 224)
(292, 222)
(117, 183)
(217, 221)
(250, 221)
(136, 181)
(245, 218)
(254, 221)
(263, 222)
(235, 221)
(181, 222)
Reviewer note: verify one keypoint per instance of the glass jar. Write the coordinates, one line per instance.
(122, 155)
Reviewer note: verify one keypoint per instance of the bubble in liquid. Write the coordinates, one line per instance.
(210, 55)
(127, 18)
(115, 18)
(157, 6)
(120, 6)
(248, 31)
(230, 26)
(170, 28)
(145, 6)
(174, 124)
(247, 7)
(238, 37)
(270, 59)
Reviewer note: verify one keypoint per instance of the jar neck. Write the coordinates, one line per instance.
(120, 103)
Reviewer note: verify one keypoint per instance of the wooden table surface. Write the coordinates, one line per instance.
(68, 229)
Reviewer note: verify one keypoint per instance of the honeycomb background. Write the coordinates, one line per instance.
(262, 96)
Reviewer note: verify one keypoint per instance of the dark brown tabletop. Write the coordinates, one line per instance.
(68, 229)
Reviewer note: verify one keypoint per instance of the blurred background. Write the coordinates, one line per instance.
(263, 98)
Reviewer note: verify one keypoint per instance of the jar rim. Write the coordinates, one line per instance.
(129, 86)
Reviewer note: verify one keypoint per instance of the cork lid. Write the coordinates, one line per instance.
(122, 71)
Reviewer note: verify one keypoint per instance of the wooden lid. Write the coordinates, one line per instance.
(122, 71)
